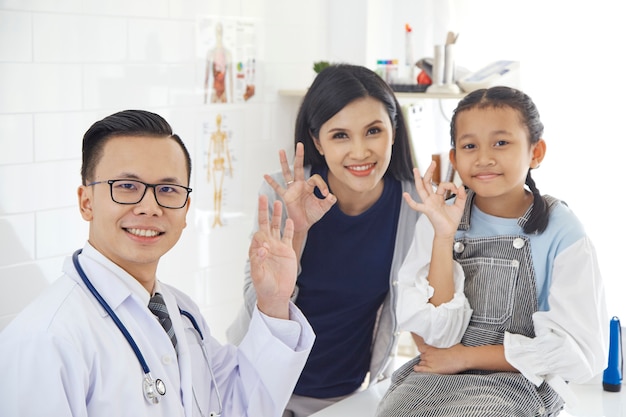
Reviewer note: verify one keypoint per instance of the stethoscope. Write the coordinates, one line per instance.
(153, 389)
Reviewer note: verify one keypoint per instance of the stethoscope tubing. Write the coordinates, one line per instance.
(110, 312)
(193, 321)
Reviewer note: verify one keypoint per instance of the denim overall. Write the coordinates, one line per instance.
(500, 287)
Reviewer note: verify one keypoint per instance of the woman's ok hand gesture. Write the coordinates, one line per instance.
(304, 208)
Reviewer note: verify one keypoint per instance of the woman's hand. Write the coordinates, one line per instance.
(303, 207)
(273, 265)
(445, 218)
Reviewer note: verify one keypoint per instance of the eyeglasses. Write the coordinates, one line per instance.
(171, 196)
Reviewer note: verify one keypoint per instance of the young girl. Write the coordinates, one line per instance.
(501, 287)
(351, 230)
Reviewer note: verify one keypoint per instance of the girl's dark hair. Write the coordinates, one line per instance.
(335, 87)
(499, 97)
(124, 123)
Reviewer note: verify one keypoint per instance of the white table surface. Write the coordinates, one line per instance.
(593, 401)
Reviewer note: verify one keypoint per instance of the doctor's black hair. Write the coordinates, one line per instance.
(125, 123)
(337, 86)
(502, 97)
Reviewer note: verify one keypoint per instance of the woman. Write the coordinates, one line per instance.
(351, 230)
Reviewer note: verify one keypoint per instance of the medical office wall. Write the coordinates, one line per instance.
(65, 64)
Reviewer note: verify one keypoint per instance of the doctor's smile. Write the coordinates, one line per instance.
(148, 233)
(143, 232)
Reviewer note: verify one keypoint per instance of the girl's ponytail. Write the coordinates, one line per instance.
(538, 220)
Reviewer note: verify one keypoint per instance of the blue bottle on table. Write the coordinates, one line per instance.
(612, 378)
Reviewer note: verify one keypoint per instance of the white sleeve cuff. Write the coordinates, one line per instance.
(441, 326)
(289, 332)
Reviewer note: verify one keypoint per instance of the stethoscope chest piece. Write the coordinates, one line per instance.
(153, 390)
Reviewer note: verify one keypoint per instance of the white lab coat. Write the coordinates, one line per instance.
(64, 356)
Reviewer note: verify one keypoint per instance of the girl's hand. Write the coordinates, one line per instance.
(445, 218)
(303, 207)
(437, 360)
(273, 265)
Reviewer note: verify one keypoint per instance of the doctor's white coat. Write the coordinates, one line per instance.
(64, 356)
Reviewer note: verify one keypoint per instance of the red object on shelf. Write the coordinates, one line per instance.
(423, 78)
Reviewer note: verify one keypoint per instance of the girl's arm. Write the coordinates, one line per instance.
(571, 338)
(431, 301)
(445, 220)
(442, 325)
(459, 358)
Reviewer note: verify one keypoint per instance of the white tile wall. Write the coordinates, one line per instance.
(67, 63)
(17, 245)
(79, 38)
(40, 186)
(58, 136)
(135, 8)
(15, 36)
(156, 41)
(16, 138)
(58, 6)
(25, 282)
(59, 232)
(32, 88)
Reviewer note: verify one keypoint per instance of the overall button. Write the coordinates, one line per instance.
(514, 263)
(518, 243)
(166, 359)
(459, 247)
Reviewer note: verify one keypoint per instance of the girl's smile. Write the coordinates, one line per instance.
(493, 155)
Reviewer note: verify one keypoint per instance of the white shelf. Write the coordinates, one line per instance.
(300, 93)
(430, 95)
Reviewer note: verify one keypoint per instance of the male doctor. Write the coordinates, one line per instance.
(65, 355)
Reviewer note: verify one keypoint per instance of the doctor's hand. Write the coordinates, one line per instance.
(273, 264)
(445, 218)
(302, 205)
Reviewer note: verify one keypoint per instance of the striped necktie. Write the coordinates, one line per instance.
(158, 308)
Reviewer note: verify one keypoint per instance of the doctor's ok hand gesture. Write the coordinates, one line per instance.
(273, 263)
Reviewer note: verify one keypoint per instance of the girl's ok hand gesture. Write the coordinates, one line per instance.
(445, 218)
(303, 207)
